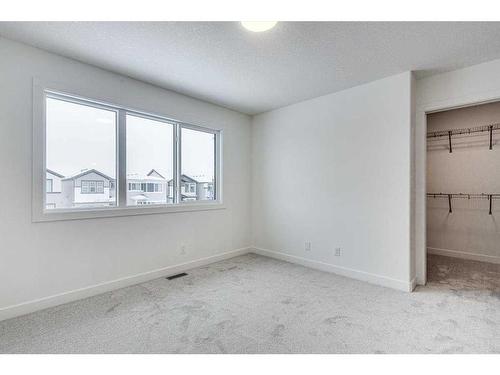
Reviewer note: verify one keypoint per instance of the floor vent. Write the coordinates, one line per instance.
(176, 276)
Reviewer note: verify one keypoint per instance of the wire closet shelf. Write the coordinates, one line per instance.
(464, 131)
(451, 196)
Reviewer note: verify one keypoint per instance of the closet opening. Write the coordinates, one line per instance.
(463, 198)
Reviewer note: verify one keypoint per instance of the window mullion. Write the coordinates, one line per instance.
(177, 163)
(122, 159)
(216, 167)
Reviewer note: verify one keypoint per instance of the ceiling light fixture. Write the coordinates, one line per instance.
(258, 26)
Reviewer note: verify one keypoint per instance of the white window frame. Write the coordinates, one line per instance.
(92, 98)
(217, 162)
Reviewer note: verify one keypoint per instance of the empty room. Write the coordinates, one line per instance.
(249, 187)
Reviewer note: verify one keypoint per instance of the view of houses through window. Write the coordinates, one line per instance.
(81, 159)
(80, 155)
(150, 161)
(197, 165)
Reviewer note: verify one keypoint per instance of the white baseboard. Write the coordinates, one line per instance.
(406, 286)
(464, 255)
(413, 284)
(74, 295)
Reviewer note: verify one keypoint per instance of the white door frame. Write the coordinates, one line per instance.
(421, 165)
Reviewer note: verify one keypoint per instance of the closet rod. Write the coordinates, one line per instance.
(465, 131)
(449, 196)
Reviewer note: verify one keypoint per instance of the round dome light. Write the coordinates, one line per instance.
(258, 26)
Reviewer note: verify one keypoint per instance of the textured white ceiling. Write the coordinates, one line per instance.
(223, 63)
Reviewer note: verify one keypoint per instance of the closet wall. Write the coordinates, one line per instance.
(469, 231)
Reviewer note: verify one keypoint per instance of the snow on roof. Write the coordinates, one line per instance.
(153, 172)
(202, 178)
(142, 177)
(84, 172)
(54, 173)
(152, 176)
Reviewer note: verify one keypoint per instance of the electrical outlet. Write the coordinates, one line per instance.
(183, 249)
(307, 246)
(337, 251)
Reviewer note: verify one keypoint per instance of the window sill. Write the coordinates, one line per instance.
(94, 213)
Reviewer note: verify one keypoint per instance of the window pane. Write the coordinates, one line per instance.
(198, 165)
(80, 146)
(150, 160)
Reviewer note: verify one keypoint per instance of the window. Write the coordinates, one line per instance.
(134, 186)
(153, 188)
(100, 158)
(92, 187)
(80, 147)
(50, 186)
(189, 188)
(198, 149)
(150, 157)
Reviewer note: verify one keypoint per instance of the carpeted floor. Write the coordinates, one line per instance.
(254, 304)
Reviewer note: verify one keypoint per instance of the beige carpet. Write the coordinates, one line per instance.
(254, 304)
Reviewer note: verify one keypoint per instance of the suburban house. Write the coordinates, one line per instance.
(148, 189)
(91, 188)
(53, 188)
(192, 190)
(53, 184)
(87, 188)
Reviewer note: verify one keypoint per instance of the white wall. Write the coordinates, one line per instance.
(469, 231)
(476, 84)
(39, 260)
(335, 171)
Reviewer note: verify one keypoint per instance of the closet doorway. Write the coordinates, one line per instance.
(463, 198)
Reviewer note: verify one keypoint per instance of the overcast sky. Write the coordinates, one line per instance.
(80, 137)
